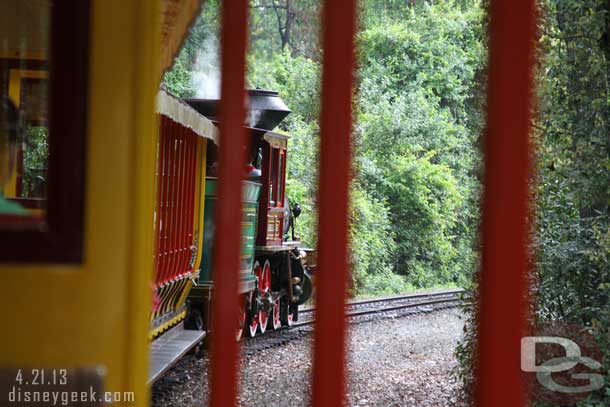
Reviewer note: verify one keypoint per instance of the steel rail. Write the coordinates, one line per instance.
(379, 310)
(391, 298)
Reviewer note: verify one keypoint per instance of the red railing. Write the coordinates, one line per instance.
(335, 164)
(225, 304)
(503, 303)
(176, 182)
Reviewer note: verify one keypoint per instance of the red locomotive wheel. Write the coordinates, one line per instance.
(253, 325)
(290, 318)
(264, 290)
(241, 316)
(286, 312)
(253, 320)
(274, 321)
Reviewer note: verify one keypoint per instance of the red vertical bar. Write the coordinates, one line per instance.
(186, 206)
(194, 198)
(503, 291)
(163, 255)
(160, 192)
(188, 219)
(177, 202)
(171, 203)
(168, 200)
(335, 158)
(232, 158)
(192, 150)
(182, 203)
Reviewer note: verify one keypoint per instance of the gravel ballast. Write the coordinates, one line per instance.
(405, 361)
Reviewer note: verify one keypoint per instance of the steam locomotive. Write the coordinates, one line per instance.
(275, 274)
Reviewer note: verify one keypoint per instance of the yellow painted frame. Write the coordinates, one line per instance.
(14, 84)
(202, 162)
(97, 313)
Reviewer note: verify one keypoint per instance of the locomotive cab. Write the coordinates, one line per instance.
(273, 203)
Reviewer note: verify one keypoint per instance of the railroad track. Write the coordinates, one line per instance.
(356, 311)
(380, 305)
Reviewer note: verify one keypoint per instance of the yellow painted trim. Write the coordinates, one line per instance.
(202, 162)
(10, 188)
(197, 207)
(185, 291)
(172, 293)
(163, 295)
(14, 82)
(162, 328)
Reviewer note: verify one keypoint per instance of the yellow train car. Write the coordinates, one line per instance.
(76, 237)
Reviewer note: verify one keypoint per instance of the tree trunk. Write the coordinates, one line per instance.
(288, 25)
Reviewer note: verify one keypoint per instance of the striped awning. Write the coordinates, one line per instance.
(180, 112)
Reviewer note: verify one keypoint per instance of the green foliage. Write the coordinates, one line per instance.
(204, 32)
(434, 51)
(178, 79)
(35, 159)
(417, 132)
(573, 127)
(571, 240)
(372, 245)
(424, 199)
(296, 78)
(413, 208)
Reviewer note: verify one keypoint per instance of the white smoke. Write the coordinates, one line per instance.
(205, 77)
